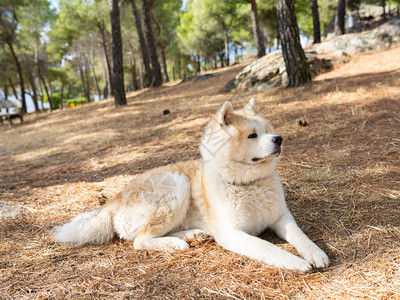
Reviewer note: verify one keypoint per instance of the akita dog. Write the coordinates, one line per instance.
(232, 194)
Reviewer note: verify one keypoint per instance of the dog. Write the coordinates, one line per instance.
(231, 194)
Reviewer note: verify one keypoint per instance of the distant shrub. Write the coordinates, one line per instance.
(55, 100)
(77, 101)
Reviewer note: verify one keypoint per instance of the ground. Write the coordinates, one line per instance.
(341, 175)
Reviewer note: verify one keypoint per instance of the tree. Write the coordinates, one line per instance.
(151, 45)
(118, 71)
(316, 23)
(9, 25)
(165, 16)
(297, 68)
(339, 17)
(207, 22)
(258, 38)
(143, 44)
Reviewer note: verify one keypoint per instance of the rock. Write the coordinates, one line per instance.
(381, 37)
(270, 71)
(391, 29)
(285, 78)
(339, 53)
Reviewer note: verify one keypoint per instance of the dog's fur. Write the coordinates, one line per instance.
(232, 194)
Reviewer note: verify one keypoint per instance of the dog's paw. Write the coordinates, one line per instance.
(316, 257)
(293, 262)
(176, 244)
(298, 264)
(202, 236)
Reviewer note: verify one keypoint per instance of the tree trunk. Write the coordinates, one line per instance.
(87, 78)
(47, 92)
(133, 69)
(183, 68)
(41, 95)
(33, 84)
(5, 91)
(143, 44)
(221, 59)
(51, 95)
(62, 95)
(151, 44)
(118, 71)
(110, 87)
(297, 67)
(106, 78)
(258, 38)
(383, 3)
(21, 77)
(316, 23)
(84, 86)
(339, 18)
(13, 88)
(276, 41)
(96, 83)
(164, 64)
(141, 81)
(226, 49)
(173, 71)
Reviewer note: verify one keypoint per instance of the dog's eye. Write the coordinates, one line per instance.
(252, 136)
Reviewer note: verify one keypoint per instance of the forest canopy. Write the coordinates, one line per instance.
(58, 52)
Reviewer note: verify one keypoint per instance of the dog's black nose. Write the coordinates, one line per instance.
(277, 140)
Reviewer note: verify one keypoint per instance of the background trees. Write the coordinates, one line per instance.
(118, 73)
(50, 52)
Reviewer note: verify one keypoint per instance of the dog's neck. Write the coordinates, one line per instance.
(238, 183)
(249, 183)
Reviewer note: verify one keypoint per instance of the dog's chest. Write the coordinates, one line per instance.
(253, 208)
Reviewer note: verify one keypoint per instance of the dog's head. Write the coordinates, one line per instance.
(240, 145)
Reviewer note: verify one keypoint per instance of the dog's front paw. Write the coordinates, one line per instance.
(298, 264)
(316, 257)
(293, 262)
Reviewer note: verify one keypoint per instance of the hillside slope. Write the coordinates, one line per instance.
(341, 175)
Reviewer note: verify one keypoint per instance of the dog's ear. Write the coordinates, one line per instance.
(250, 106)
(226, 109)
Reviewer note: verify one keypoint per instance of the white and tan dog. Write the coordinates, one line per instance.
(232, 194)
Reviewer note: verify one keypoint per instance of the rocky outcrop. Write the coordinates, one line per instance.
(381, 37)
(270, 71)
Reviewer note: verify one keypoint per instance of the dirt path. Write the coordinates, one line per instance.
(341, 176)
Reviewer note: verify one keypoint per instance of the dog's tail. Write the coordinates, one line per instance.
(94, 226)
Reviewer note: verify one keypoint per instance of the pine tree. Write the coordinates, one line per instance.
(151, 44)
(118, 71)
(297, 67)
(339, 18)
(316, 23)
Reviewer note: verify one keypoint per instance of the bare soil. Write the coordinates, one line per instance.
(341, 175)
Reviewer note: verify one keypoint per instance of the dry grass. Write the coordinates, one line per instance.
(341, 175)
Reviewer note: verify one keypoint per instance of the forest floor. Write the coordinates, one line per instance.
(341, 176)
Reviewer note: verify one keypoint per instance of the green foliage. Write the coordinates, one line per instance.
(60, 43)
(205, 24)
(77, 101)
(55, 97)
(327, 10)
